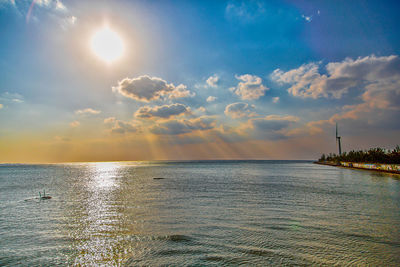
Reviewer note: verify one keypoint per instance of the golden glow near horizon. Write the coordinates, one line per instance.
(107, 45)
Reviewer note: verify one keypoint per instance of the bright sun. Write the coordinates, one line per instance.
(107, 45)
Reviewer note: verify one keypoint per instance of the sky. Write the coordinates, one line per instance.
(192, 80)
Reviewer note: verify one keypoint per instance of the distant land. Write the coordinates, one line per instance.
(377, 159)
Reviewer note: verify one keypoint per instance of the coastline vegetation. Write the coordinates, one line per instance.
(373, 155)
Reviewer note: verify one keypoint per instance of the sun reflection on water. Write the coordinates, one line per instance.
(104, 176)
(101, 217)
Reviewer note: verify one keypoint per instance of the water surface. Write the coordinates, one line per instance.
(201, 213)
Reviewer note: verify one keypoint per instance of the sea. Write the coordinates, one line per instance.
(198, 213)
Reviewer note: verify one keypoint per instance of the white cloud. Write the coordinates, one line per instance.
(212, 81)
(87, 111)
(7, 2)
(60, 6)
(201, 109)
(246, 11)
(180, 91)
(376, 83)
(165, 111)
(68, 22)
(51, 4)
(240, 110)
(275, 99)
(369, 73)
(307, 18)
(74, 124)
(54, 9)
(250, 87)
(146, 89)
(43, 2)
(11, 97)
(211, 98)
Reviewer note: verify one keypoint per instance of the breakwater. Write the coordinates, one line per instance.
(392, 168)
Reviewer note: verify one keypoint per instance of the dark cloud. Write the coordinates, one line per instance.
(239, 110)
(123, 127)
(176, 127)
(146, 89)
(165, 111)
(271, 127)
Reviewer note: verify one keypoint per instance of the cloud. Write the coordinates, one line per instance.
(109, 121)
(307, 18)
(181, 91)
(5, 2)
(121, 127)
(61, 139)
(381, 96)
(74, 124)
(271, 127)
(55, 8)
(275, 99)
(380, 103)
(272, 122)
(212, 81)
(201, 109)
(68, 22)
(11, 97)
(44, 3)
(146, 89)
(87, 111)
(165, 111)
(51, 4)
(211, 98)
(60, 6)
(239, 110)
(246, 11)
(250, 87)
(177, 127)
(369, 73)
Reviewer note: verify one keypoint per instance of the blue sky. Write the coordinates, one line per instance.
(197, 79)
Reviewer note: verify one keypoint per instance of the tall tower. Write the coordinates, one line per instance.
(338, 141)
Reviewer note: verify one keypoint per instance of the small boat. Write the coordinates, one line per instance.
(44, 195)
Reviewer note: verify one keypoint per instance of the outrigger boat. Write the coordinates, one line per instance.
(44, 195)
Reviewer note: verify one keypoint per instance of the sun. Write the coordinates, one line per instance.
(107, 45)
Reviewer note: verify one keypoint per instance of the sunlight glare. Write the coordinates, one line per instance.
(107, 45)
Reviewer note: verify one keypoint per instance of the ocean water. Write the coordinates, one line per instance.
(207, 213)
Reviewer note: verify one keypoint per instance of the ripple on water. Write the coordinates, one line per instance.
(242, 213)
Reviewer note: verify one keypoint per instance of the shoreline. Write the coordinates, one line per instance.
(362, 166)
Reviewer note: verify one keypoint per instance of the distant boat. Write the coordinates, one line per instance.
(44, 195)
